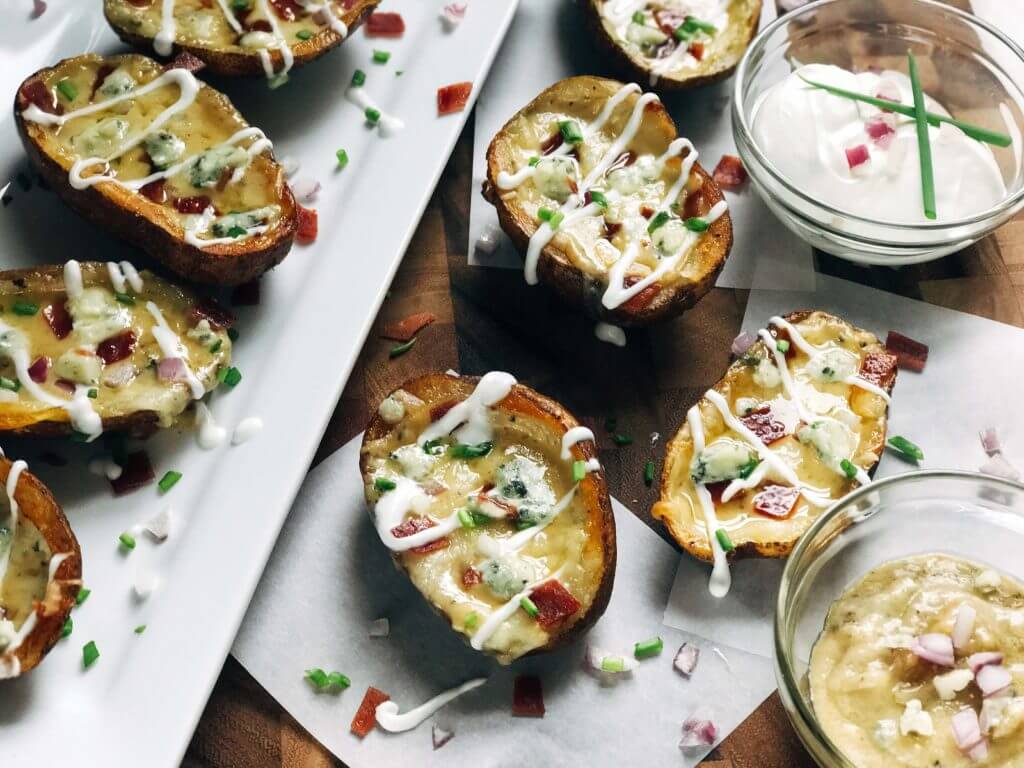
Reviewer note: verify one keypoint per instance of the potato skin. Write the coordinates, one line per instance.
(634, 68)
(235, 64)
(557, 271)
(438, 388)
(131, 217)
(693, 538)
(38, 506)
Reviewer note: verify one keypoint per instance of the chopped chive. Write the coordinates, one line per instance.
(215, 347)
(232, 376)
(924, 144)
(579, 471)
(381, 57)
(67, 89)
(317, 677)
(530, 607)
(553, 218)
(597, 196)
(342, 156)
(127, 541)
(639, 18)
(401, 349)
(83, 595)
(93, 393)
(384, 484)
(66, 630)
(471, 620)
(610, 424)
(570, 131)
(372, 115)
(659, 220)
(303, 34)
(168, 481)
(622, 440)
(399, 72)
(338, 680)
(533, 161)
(237, 231)
(696, 224)
(849, 468)
(12, 384)
(703, 26)
(466, 451)
(139, 629)
(89, 654)
(649, 473)
(723, 539)
(647, 648)
(748, 469)
(240, 5)
(124, 298)
(431, 446)
(25, 308)
(613, 664)
(782, 345)
(466, 518)
(358, 78)
(232, 334)
(907, 448)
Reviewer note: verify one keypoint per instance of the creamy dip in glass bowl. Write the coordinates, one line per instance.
(968, 68)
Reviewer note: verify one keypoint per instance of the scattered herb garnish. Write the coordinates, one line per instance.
(613, 664)
(647, 648)
(748, 469)
(471, 620)
(25, 308)
(533, 161)
(89, 654)
(233, 334)
(231, 376)
(467, 451)
(597, 196)
(401, 349)
(127, 541)
(849, 468)
(530, 607)
(691, 26)
(553, 218)
(431, 446)
(906, 448)
(93, 393)
(358, 78)
(67, 89)
(696, 224)
(324, 681)
(383, 484)
(723, 539)
(66, 630)
(381, 57)
(610, 423)
(622, 440)
(83, 595)
(782, 345)
(124, 298)
(924, 144)
(579, 471)
(12, 384)
(639, 18)
(342, 156)
(170, 478)
(303, 34)
(659, 220)
(571, 132)
(372, 115)
(215, 347)
(649, 473)
(139, 629)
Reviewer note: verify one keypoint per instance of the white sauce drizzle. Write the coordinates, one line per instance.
(72, 279)
(721, 578)
(573, 436)
(211, 435)
(246, 430)
(388, 125)
(121, 276)
(469, 420)
(502, 614)
(389, 719)
(170, 344)
(163, 43)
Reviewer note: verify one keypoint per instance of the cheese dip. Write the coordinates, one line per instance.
(920, 664)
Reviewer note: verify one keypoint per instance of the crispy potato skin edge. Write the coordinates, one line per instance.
(234, 64)
(437, 388)
(128, 215)
(633, 70)
(41, 509)
(686, 536)
(556, 271)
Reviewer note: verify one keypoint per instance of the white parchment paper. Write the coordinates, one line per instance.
(546, 43)
(330, 576)
(974, 365)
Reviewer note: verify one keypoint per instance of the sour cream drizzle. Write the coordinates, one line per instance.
(171, 346)
(121, 274)
(502, 614)
(389, 719)
(388, 125)
(12, 526)
(211, 434)
(721, 578)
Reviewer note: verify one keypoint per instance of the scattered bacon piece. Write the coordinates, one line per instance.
(527, 697)
(697, 50)
(730, 173)
(136, 471)
(366, 715)
(36, 92)
(646, 211)
(764, 424)
(39, 369)
(246, 294)
(385, 25)
(404, 330)
(209, 310)
(716, 490)
(287, 10)
(910, 354)
(101, 74)
(116, 347)
(694, 204)
(258, 25)
(857, 155)
(307, 230)
(551, 143)
(59, 319)
(415, 525)
(471, 577)
(624, 160)
(643, 298)
(196, 204)
(186, 61)
(453, 98)
(155, 191)
(438, 411)
(776, 500)
(880, 369)
(554, 602)
(66, 385)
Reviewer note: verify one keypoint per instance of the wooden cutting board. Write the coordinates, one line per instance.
(488, 319)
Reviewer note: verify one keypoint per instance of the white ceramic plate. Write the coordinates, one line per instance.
(139, 703)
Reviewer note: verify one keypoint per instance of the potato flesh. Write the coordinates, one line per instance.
(571, 542)
(27, 571)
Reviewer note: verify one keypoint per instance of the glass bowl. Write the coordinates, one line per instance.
(974, 516)
(967, 65)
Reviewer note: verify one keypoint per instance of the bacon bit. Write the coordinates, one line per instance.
(646, 211)
(611, 228)
(438, 411)
(433, 488)
(698, 733)
(776, 501)
(878, 128)
(186, 61)
(101, 74)
(551, 143)
(155, 191)
(385, 25)
(453, 98)
(58, 319)
(697, 50)
(196, 204)
(763, 424)
(258, 25)
(39, 369)
(406, 329)
(225, 177)
(716, 490)
(415, 525)
(307, 230)
(694, 203)
(67, 386)
(38, 9)
(287, 10)
(857, 155)
(880, 369)
(527, 697)
(471, 577)
(642, 299)
(507, 507)
(116, 347)
(554, 604)
(366, 715)
(624, 160)
(246, 294)
(36, 92)
(135, 473)
(209, 310)
(910, 354)
(730, 173)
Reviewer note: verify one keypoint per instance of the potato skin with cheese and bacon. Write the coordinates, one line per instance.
(519, 487)
(834, 422)
(588, 260)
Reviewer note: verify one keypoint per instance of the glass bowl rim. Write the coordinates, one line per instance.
(795, 703)
(741, 127)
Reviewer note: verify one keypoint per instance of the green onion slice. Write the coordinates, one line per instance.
(849, 468)
(467, 451)
(597, 196)
(622, 440)
(649, 473)
(127, 541)
(696, 224)
(782, 345)
(342, 156)
(659, 220)
(303, 34)
(381, 57)
(83, 595)
(372, 115)
(384, 484)
(906, 448)
(124, 298)
(723, 538)
(613, 664)
(571, 132)
(358, 78)
(89, 654)
(639, 18)
(66, 630)
(67, 89)
(647, 648)
(25, 308)
(579, 471)
(530, 607)
(168, 480)
(139, 629)
(401, 349)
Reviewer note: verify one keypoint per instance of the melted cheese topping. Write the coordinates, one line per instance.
(27, 574)
(527, 524)
(881, 704)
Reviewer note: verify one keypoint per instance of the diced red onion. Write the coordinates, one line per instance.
(172, 369)
(990, 441)
(742, 343)
(306, 189)
(964, 626)
(686, 659)
(858, 155)
(380, 628)
(1000, 467)
(453, 14)
(698, 732)
(966, 730)
(979, 751)
(440, 736)
(38, 8)
(935, 648)
(877, 127)
(289, 164)
(889, 91)
(978, 660)
(993, 679)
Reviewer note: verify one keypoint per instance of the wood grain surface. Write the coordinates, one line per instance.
(489, 318)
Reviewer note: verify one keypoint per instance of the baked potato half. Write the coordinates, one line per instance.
(239, 37)
(40, 570)
(462, 474)
(674, 44)
(608, 204)
(797, 422)
(98, 347)
(160, 160)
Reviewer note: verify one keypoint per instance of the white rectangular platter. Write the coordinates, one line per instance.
(139, 703)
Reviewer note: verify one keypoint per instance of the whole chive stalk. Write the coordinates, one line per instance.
(924, 144)
(906, 448)
(647, 648)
